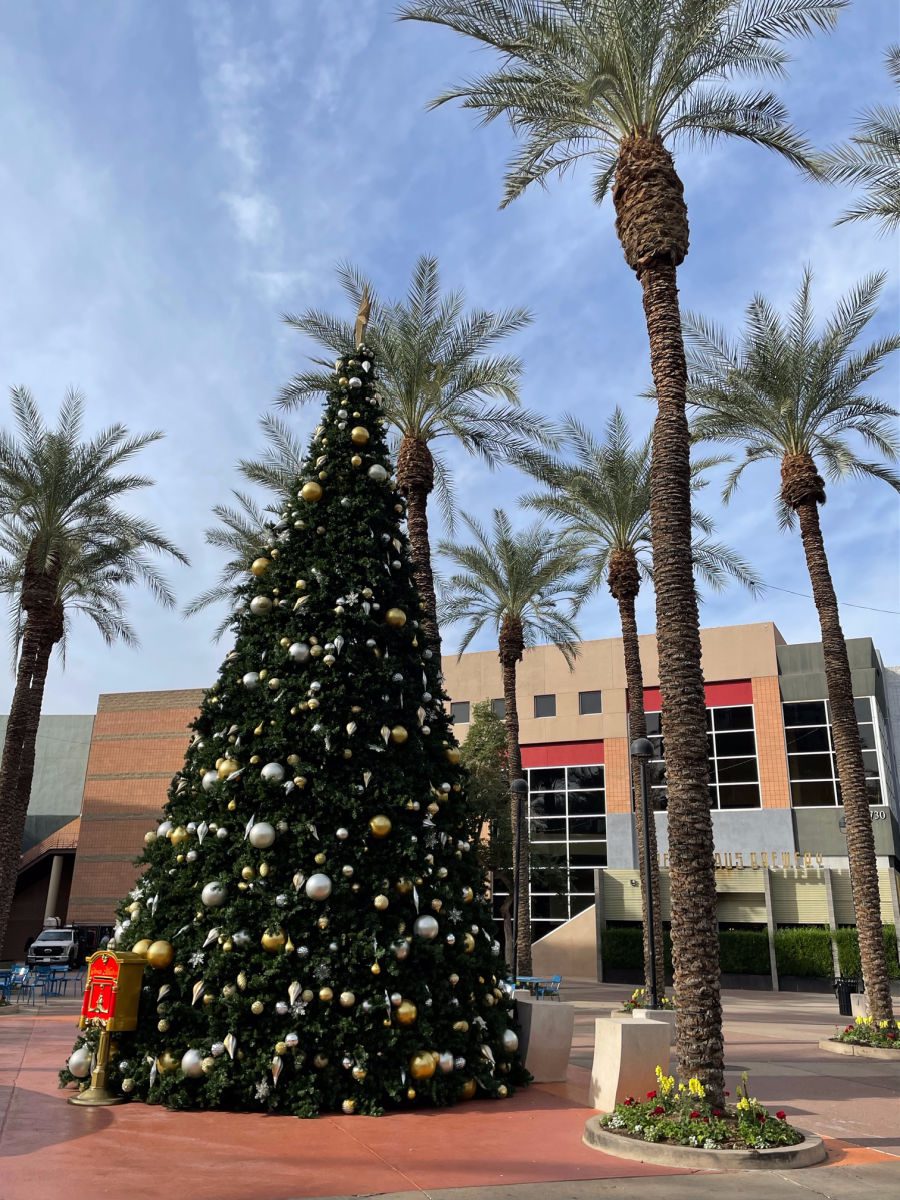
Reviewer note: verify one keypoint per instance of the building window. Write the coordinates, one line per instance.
(498, 708)
(589, 703)
(545, 706)
(733, 766)
(812, 765)
(459, 712)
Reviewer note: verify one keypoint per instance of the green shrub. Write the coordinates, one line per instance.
(805, 951)
(744, 952)
(847, 944)
(623, 948)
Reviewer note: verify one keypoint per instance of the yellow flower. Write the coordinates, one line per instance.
(883, 1024)
(743, 1103)
(696, 1088)
(664, 1083)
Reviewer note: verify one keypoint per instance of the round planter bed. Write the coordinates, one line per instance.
(779, 1158)
(835, 1047)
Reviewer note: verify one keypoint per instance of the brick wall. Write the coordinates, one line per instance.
(774, 786)
(138, 743)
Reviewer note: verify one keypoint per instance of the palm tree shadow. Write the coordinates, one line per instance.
(35, 1121)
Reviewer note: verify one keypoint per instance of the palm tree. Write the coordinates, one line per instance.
(65, 548)
(617, 82)
(601, 500)
(784, 392)
(438, 380)
(873, 160)
(246, 527)
(513, 582)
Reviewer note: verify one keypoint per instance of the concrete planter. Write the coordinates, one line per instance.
(850, 1050)
(655, 1014)
(780, 1158)
(626, 1055)
(545, 1036)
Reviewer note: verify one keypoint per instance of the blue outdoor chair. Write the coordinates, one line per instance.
(550, 990)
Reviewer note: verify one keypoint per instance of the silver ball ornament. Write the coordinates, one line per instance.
(217, 1049)
(299, 651)
(79, 1062)
(250, 680)
(426, 927)
(445, 1063)
(192, 1063)
(377, 473)
(222, 833)
(262, 835)
(210, 779)
(272, 772)
(342, 834)
(213, 894)
(318, 886)
(260, 606)
(509, 1041)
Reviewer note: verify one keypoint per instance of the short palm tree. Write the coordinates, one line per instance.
(438, 379)
(600, 498)
(245, 527)
(782, 391)
(514, 582)
(65, 548)
(618, 82)
(872, 160)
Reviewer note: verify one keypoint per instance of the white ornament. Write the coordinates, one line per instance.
(509, 1041)
(318, 886)
(210, 779)
(192, 1063)
(299, 651)
(377, 473)
(251, 680)
(260, 605)
(221, 833)
(262, 835)
(166, 827)
(426, 927)
(272, 772)
(80, 1062)
(342, 834)
(217, 1049)
(213, 894)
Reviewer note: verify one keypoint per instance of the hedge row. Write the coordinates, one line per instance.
(804, 951)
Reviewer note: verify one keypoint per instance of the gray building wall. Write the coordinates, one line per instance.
(60, 765)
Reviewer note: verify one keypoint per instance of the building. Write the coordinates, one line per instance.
(775, 800)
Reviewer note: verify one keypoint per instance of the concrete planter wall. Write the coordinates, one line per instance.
(626, 1055)
(850, 1050)
(545, 1038)
(780, 1158)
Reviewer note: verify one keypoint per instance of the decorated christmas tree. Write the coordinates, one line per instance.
(312, 909)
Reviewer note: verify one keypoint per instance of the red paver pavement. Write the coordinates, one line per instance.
(49, 1148)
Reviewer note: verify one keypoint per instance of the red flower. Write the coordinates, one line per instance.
(891, 1037)
(717, 1112)
(694, 1115)
(658, 1111)
(651, 1095)
(728, 1093)
(761, 1117)
(781, 1114)
(628, 1102)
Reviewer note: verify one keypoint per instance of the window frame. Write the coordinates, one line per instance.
(594, 712)
(544, 696)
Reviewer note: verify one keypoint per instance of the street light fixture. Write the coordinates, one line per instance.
(642, 752)
(518, 789)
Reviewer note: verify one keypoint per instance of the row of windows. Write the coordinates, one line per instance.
(812, 764)
(589, 704)
(731, 747)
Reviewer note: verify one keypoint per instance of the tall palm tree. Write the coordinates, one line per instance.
(872, 160)
(600, 497)
(783, 391)
(245, 527)
(618, 82)
(512, 581)
(65, 548)
(438, 379)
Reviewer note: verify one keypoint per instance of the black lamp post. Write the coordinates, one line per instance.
(642, 752)
(518, 789)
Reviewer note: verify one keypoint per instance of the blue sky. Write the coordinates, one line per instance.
(176, 174)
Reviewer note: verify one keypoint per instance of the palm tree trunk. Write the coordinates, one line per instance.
(17, 767)
(415, 478)
(851, 770)
(511, 649)
(651, 221)
(637, 728)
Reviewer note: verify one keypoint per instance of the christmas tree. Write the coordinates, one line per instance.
(312, 909)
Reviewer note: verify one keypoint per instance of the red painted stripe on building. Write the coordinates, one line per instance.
(562, 754)
(737, 691)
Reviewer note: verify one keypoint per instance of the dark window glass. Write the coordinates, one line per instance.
(549, 907)
(459, 712)
(737, 770)
(870, 758)
(710, 745)
(659, 798)
(867, 736)
(582, 880)
(654, 727)
(548, 804)
(728, 744)
(544, 829)
(873, 788)
(585, 827)
(588, 854)
(659, 747)
(586, 804)
(807, 741)
(740, 717)
(863, 708)
(548, 779)
(810, 766)
(585, 777)
(713, 798)
(812, 795)
(806, 712)
(498, 708)
(656, 773)
(545, 706)
(589, 702)
(540, 929)
(580, 903)
(735, 796)
(712, 770)
(547, 856)
(708, 720)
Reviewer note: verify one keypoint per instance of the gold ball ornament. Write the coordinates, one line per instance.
(208, 1065)
(281, 1047)
(406, 1013)
(257, 1007)
(226, 768)
(399, 734)
(160, 955)
(359, 435)
(376, 968)
(178, 835)
(468, 943)
(395, 617)
(381, 902)
(273, 940)
(311, 492)
(359, 1074)
(149, 837)
(380, 826)
(356, 461)
(468, 1089)
(452, 755)
(167, 1062)
(502, 1091)
(422, 1065)
(247, 873)
(348, 1107)
(326, 995)
(141, 947)
(259, 566)
(468, 895)
(347, 999)
(411, 1093)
